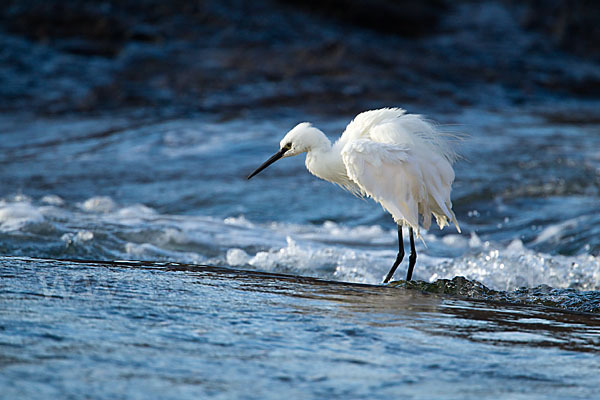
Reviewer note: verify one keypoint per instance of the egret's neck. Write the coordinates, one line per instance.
(325, 162)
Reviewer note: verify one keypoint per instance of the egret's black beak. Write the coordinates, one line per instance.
(270, 161)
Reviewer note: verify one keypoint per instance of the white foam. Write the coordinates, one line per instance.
(52, 200)
(293, 257)
(454, 240)
(516, 266)
(371, 233)
(101, 204)
(173, 236)
(475, 241)
(237, 258)
(239, 221)
(79, 237)
(553, 233)
(331, 232)
(135, 211)
(149, 251)
(503, 267)
(15, 216)
(330, 250)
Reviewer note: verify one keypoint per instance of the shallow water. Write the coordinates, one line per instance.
(106, 330)
(173, 193)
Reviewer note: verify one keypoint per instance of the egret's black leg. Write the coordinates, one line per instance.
(399, 257)
(412, 259)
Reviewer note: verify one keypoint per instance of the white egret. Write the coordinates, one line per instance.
(400, 160)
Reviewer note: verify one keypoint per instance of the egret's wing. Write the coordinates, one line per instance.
(389, 174)
(362, 125)
(403, 179)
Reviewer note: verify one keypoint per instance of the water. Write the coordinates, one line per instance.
(239, 288)
(106, 330)
(175, 190)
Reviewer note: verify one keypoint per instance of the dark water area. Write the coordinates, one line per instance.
(136, 261)
(238, 57)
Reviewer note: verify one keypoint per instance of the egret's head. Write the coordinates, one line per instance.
(302, 138)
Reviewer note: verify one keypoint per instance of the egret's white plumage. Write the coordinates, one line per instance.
(400, 160)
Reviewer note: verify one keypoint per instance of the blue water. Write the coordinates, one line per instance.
(99, 330)
(271, 287)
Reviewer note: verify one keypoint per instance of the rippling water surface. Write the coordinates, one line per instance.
(205, 309)
(105, 330)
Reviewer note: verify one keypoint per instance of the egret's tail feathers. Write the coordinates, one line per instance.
(455, 222)
(445, 219)
(452, 217)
